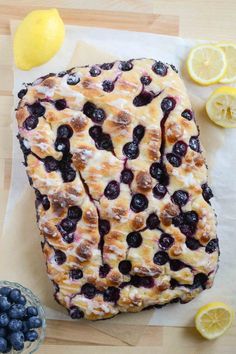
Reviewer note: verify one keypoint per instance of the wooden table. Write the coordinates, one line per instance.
(213, 19)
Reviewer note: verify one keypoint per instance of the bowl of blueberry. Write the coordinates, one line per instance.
(22, 319)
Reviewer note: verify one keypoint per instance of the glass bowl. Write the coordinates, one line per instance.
(32, 300)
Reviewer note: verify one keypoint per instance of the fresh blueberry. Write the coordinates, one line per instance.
(17, 311)
(159, 191)
(73, 79)
(173, 159)
(125, 65)
(168, 104)
(31, 311)
(3, 345)
(125, 267)
(134, 239)
(180, 197)
(143, 99)
(180, 148)
(17, 340)
(4, 303)
(160, 258)
(108, 86)
(14, 295)
(5, 291)
(15, 325)
(4, 319)
(152, 221)
(95, 71)
(159, 68)
(138, 133)
(64, 131)
(24, 327)
(31, 336)
(88, 290)
(127, 176)
(76, 313)
(111, 294)
(75, 213)
(60, 104)
(104, 270)
(3, 332)
(104, 227)
(187, 114)
(112, 190)
(131, 150)
(139, 203)
(22, 300)
(34, 322)
(76, 274)
(31, 122)
(146, 80)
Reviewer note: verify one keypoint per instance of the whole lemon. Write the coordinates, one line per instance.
(38, 37)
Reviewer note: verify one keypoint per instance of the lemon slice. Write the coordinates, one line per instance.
(38, 37)
(206, 64)
(221, 107)
(213, 319)
(230, 54)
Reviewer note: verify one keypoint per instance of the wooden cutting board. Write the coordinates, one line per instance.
(63, 336)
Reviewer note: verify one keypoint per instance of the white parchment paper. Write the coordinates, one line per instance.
(21, 258)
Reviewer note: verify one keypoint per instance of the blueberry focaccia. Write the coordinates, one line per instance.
(112, 152)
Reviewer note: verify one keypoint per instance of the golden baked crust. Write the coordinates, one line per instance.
(113, 154)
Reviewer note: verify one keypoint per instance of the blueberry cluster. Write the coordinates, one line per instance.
(17, 321)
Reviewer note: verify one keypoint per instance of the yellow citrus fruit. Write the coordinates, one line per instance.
(221, 106)
(230, 54)
(213, 319)
(206, 64)
(38, 38)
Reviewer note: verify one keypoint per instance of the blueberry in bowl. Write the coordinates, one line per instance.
(22, 319)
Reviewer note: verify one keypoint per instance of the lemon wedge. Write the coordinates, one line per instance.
(221, 106)
(213, 319)
(206, 64)
(230, 54)
(38, 38)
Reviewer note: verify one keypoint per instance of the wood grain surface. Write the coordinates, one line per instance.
(196, 18)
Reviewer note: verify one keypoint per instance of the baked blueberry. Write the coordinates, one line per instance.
(36, 109)
(160, 258)
(125, 65)
(160, 68)
(51, 164)
(180, 148)
(192, 243)
(131, 150)
(194, 143)
(95, 132)
(127, 176)
(104, 142)
(176, 264)
(111, 294)
(104, 227)
(125, 267)
(143, 99)
(75, 213)
(95, 71)
(139, 203)
(76, 274)
(68, 225)
(158, 171)
(64, 131)
(134, 239)
(212, 246)
(76, 313)
(187, 114)
(152, 221)
(180, 197)
(159, 191)
(206, 192)
(73, 79)
(166, 241)
(138, 133)
(59, 257)
(112, 190)
(168, 104)
(60, 104)
(62, 145)
(22, 93)
(98, 115)
(108, 86)
(31, 122)
(104, 270)
(107, 66)
(88, 290)
(146, 80)
(173, 159)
